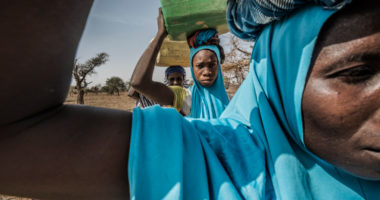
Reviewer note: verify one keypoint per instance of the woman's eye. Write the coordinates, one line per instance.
(356, 74)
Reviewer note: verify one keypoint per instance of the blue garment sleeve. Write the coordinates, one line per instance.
(177, 158)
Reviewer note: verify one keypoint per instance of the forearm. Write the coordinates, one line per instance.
(159, 93)
(133, 93)
(143, 73)
(142, 76)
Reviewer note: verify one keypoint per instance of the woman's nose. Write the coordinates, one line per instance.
(207, 72)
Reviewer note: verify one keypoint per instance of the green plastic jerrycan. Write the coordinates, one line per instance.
(183, 17)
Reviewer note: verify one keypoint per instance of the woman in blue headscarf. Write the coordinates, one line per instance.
(293, 130)
(209, 97)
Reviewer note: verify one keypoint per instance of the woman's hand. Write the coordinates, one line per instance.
(161, 24)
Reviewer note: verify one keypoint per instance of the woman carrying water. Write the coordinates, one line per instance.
(207, 97)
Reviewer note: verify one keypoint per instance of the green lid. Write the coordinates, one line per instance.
(183, 17)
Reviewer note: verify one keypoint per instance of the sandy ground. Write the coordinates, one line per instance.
(122, 102)
(2, 197)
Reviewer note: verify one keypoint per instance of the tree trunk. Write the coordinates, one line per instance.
(80, 97)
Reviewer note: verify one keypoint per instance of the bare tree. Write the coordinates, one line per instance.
(72, 91)
(82, 71)
(236, 65)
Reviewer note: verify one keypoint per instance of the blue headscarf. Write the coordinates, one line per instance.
(202, 37)
(173, 69)
(272, 109)
(255, 150)
(246, 18)
(207, 102)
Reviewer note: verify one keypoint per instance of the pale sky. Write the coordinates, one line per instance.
(123, 29)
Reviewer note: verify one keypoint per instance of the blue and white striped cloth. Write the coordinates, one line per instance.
(246, 18)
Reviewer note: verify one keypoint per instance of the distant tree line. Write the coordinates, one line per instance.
(82, 71)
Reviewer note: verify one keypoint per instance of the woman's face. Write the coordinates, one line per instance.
(175, 79)
(205, 66)
(341, 101)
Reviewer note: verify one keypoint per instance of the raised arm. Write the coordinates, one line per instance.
(142, 75)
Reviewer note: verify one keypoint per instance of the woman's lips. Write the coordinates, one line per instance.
(207, 80)
(374, 156)
(373, 149)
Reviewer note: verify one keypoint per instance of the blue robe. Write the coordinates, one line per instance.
(255, 150)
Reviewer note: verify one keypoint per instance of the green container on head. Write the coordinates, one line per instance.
(184, 17)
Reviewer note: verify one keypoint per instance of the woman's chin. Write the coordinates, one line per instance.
(206, 83)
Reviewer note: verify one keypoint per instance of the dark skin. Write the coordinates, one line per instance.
(49, 150)
(53, 151)
(205, 67)
(133, 93)
(141, 79)
(176, 79)
(342, 94)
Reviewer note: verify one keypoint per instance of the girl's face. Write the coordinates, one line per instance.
(205, 67)
(341, 101)
(175, 79)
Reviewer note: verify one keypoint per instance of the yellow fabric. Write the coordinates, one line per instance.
(179, 96)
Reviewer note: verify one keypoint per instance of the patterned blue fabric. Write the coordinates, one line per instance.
(255, 150)
(246, 18)
(173, 69)
(207, 102)
(204, 36)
